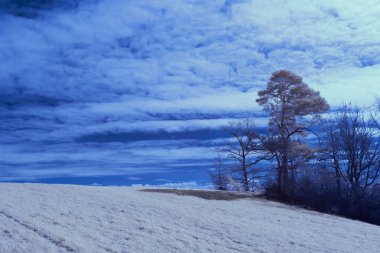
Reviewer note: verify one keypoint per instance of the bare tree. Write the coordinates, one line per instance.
(219, 175)
(353, 146)
(244, 150)
(288, 100)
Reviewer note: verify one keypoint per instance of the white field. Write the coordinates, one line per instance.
(58, 218)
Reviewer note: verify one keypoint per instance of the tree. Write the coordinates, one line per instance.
(244, 150)
(219, 175)
(353, 145)
(288, 101)
(331, 155)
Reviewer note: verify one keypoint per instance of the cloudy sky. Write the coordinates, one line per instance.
(133, 92)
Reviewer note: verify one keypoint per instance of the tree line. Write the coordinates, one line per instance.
(307, 155)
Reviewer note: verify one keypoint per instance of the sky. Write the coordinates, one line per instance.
(135, 92)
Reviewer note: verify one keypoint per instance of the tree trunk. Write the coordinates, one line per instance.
(245, 175)
(279, 179)
(284, 193)
(246, 184)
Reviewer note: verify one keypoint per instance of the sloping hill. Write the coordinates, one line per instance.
(65, 218)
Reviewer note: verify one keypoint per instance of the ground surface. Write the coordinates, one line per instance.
(57, 218)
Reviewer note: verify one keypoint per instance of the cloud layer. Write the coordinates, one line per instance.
(108, 66)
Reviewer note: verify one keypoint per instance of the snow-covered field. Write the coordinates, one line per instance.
(60, 218)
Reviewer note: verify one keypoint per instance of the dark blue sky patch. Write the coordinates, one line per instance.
(369, 61)
(32, 8)
(154, 136)
(11, 101)
(197, 175)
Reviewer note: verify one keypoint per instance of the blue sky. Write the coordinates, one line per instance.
(87, 90)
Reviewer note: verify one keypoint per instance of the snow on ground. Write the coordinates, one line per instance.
(65, 218)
